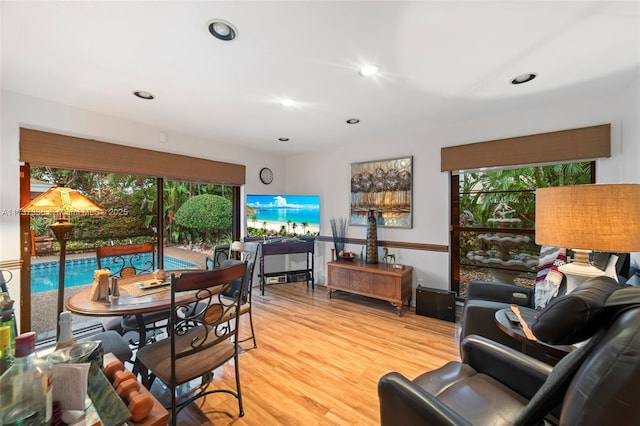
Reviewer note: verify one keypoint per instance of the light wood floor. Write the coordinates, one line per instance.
(319, 360)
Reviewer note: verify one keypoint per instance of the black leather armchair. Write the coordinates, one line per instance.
(471, 392)
(496, 385)
(484, 299)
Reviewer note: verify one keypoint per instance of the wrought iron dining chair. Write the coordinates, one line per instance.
(246, 252)
(201, 337)
(220, 254)
(125, 261)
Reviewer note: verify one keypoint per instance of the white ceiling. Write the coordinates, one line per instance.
(439, 62)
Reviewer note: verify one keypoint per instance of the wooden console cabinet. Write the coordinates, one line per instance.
(380, 280)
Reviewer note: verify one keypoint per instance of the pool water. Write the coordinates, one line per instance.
(44, 276)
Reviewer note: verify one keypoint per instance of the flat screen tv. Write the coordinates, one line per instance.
(283, 215)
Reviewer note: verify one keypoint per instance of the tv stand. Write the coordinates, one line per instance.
(287, 247)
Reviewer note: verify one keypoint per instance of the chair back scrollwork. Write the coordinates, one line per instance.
(127, 260)
(207, 320)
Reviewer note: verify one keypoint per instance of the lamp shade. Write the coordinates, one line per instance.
(600, 217)
(63, 201)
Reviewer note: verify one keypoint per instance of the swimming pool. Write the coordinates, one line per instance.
(44, 275)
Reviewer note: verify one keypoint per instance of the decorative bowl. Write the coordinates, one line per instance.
(348, 259)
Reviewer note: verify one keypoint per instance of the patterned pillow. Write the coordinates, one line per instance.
(548, 277)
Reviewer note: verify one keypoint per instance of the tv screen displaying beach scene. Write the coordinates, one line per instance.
(283, 215)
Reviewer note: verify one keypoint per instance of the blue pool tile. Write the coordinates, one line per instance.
(79, 271)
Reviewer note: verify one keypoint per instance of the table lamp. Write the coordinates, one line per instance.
(600, 217)
(61, 201)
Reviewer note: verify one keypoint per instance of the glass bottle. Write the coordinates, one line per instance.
(8, 319)
(6, 358)
(10, 323)
(26, 387)
(65, 338)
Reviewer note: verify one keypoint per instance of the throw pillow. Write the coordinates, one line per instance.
(548, 277)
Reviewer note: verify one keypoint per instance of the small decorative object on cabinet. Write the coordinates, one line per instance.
(372, 239)
(339, 231)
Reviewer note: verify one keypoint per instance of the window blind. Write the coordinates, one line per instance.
(41, 148)
(553, 147)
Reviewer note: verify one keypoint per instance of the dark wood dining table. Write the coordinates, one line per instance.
(136, 302)
(142, 302)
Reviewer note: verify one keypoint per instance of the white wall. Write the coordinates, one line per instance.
(327, 173)
(21, 111)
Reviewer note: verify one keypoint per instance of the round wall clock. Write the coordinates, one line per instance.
(266, 175)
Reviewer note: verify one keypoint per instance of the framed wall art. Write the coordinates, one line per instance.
(384, 186)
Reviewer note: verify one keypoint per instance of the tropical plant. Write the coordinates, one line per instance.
(40, 225)
(209, 214)
(82, 181)
(175, 194)
(130, 208)
(481, 192)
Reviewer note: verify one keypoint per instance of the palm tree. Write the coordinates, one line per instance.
(294, 226)
(304, 227)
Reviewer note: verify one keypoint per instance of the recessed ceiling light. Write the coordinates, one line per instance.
(368, 70)
(353, 121)
(222, 30)
(287, 102)
(144, 95)
(523, 78)
(283, 139)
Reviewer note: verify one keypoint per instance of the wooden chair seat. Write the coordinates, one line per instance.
(245, 308)
(157, 357)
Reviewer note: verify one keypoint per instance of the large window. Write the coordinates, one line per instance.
(183, 219)
(493, 221)
(153, 169)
